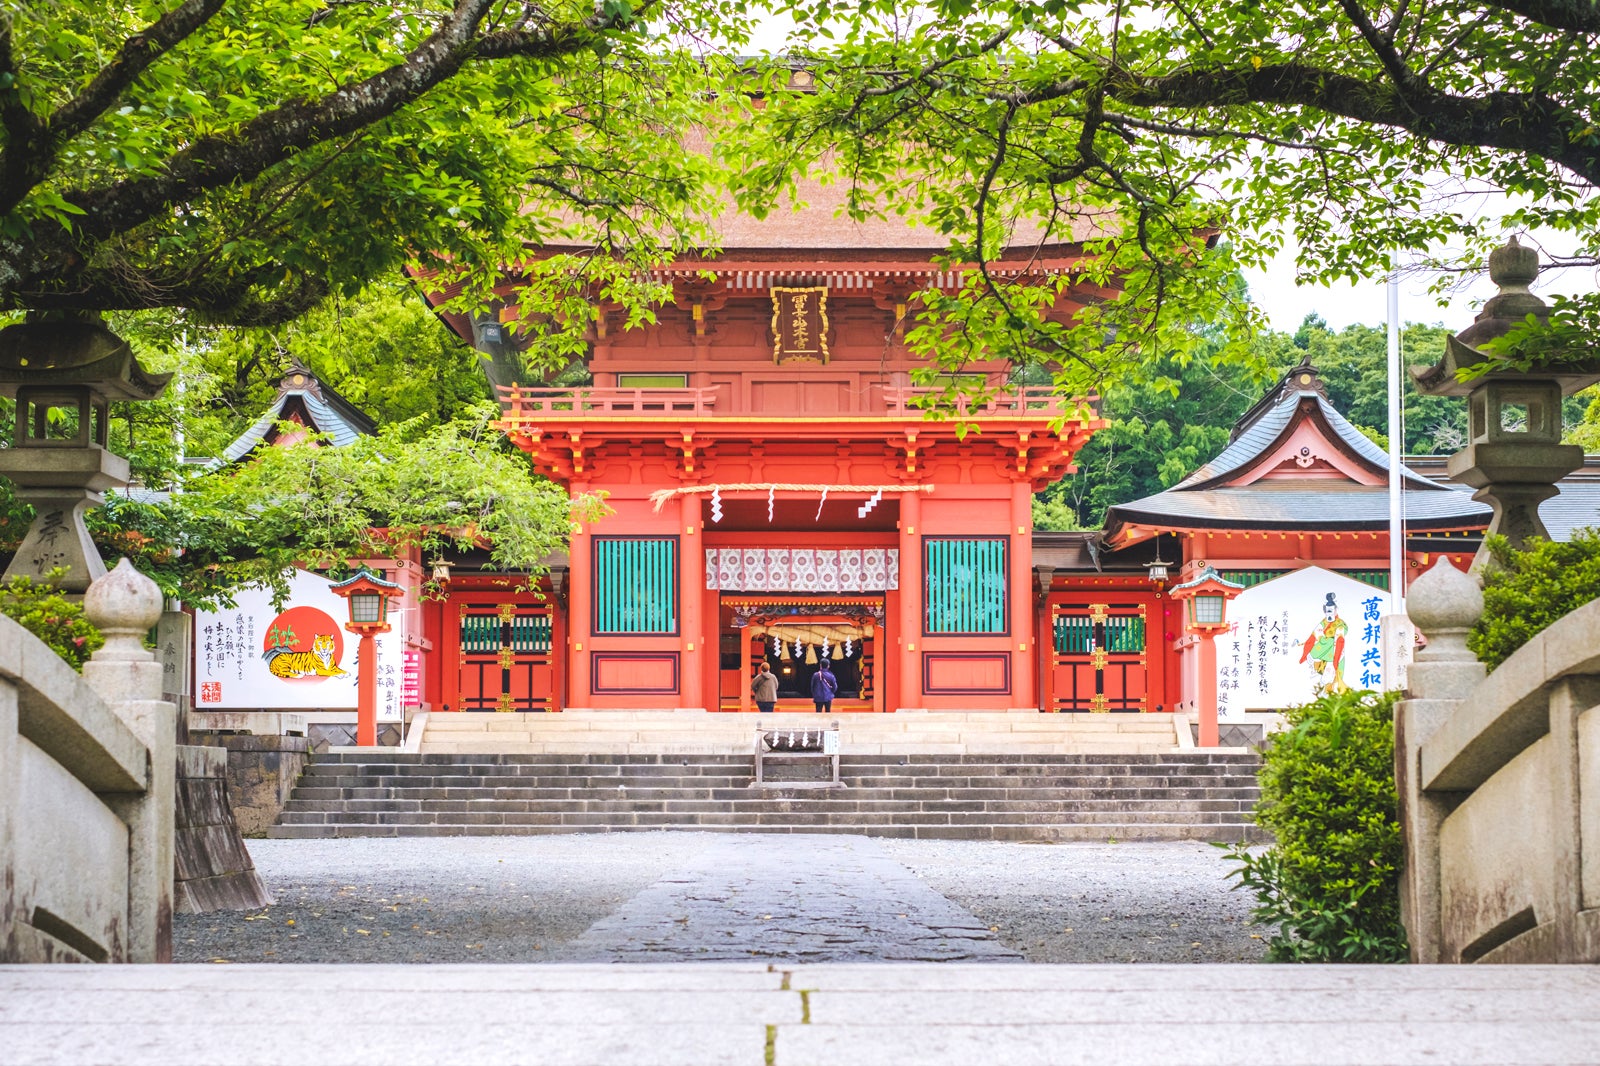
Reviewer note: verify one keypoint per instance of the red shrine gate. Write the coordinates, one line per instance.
(770, 408)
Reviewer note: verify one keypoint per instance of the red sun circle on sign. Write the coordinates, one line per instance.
(297, 629)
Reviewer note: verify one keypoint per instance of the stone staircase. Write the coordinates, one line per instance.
(973, 796)
(902, 733)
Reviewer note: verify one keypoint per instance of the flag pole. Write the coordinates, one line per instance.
(1397, 546)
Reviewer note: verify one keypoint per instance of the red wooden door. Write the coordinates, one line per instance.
(504, 660)
(1099, 657)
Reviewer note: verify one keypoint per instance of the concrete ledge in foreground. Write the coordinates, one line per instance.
(838, 1015)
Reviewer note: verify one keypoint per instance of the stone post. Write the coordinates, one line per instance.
(1444, 603)
(124, 605)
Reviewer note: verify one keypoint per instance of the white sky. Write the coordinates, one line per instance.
(1287, 304)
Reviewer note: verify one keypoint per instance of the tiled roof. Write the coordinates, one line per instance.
(1293, 505)
(328, 412)
(1206, 499)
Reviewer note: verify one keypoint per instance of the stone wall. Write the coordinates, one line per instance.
(213, 867)
(1499, 786)
(87, 789)
(262, 771)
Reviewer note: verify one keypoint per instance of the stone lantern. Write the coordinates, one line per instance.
(1205, 599)
(63, 373)
(367, 596)
(1514, 455)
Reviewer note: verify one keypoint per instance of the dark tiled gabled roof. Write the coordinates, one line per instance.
(323, 409)
(1209, 499)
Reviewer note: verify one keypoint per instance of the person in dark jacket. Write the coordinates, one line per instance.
(765, 689)
(823, 686)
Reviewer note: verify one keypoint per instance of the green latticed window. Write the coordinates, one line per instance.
(1379, 578)
(530, 633)
(1252, 578)
(966, 582)
(1123, 634)
(635, 585)
(1074, 634)
(480, 633)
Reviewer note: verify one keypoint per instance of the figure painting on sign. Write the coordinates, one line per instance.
(1325, 648)
(293, 657)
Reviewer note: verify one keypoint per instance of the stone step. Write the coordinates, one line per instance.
(1225, 833)
(388, 788)
(446, 811)
(647, 732)
(951, 796)
(357, 797)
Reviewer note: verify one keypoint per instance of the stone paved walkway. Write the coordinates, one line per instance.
(749, 1014)
(795, 898)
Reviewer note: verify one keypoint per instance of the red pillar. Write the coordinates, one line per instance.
(579, 588)
(558, 648)
(691, 594)
(1207, 688)
(367, 692)
(1044, 656)
(1022, 635)
(911, 593)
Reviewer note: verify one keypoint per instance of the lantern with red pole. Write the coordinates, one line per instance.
(368, 597)
(1205, 615)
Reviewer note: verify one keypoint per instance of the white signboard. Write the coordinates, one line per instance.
(1292, 636)
(300, 657)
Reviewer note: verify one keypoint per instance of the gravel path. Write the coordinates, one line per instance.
(790, 898)
(535, 899)
(432, 899)
(1083, 902)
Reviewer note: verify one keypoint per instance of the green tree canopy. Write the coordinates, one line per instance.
(245, 159)
(1142, 126)
(411, 487)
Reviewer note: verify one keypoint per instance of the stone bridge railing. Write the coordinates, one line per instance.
(1499, 783)
(87, 789)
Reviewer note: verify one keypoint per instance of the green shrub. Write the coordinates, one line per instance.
(1525, 591)
(1330, 883)
(41, 609)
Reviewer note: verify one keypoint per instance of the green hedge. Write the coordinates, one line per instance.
(1330, 884)
(1525, 591)
(42, 610)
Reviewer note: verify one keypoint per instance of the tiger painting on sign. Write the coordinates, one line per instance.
(318, 662)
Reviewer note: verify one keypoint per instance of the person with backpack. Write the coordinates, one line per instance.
(823, 687)
(765, 689)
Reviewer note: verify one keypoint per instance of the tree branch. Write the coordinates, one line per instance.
(1382, 46)
(1580, 16)
(135, 57)
(1519, 122)
(272, 137)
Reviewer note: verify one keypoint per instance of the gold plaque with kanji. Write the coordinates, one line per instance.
(800, 323)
